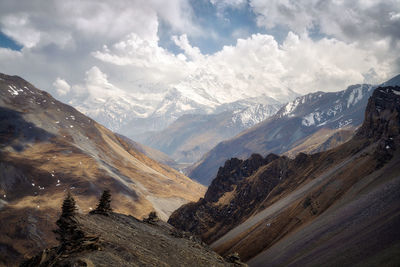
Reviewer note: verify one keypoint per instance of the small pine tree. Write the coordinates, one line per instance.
(69, 230)
(152, 217)
(104, 206)
(233, 258)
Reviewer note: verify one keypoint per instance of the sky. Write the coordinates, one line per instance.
(81, 47)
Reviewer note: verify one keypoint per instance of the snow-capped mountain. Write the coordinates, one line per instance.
(250, 116)
(332, 110)
(161, 121)
(293, 123)
(134, 115)
(114, 111)
(192, 135)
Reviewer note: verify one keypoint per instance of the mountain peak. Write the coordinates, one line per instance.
(382, 114)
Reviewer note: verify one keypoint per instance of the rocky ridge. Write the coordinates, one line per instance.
(125, 241)
(264, 214)
(292, 125)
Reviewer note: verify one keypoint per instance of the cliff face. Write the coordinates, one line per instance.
(232, 173)
(239, 189)
(257, 214)
(382, 115)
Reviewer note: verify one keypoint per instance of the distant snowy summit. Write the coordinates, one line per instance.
(335, 110)
(133, 114)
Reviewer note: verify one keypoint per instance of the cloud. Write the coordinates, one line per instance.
(350, 21)
(58, 37)
(98, 47)
(95, 85)
(61, 86)
(18, 28)
(33, 23)
(183, 43)
(222, 5)
(254, 66)
(394, 16)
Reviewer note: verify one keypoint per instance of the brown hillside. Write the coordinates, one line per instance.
(48, 148)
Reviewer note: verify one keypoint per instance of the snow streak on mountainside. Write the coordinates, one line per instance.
(320, 109)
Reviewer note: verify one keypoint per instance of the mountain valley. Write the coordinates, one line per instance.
(199, 133)
(254, 207)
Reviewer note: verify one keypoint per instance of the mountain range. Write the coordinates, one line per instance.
(315, 116)
(48, 148)
(148, 116)
(189, 137)
(339, 207)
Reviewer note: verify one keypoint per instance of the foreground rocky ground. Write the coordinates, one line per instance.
(125, 241)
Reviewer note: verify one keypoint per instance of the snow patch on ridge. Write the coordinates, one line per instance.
(291, 106)
(254, 114)
(14, 90)
(355, 96)
(312, 119)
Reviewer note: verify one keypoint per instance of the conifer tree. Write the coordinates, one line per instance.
(104, 206)
(69, 230)
(152, 218)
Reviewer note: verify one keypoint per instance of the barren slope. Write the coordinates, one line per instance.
(324, 139)
(47, 148)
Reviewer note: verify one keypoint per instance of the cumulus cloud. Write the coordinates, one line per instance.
(183, 43)
(18, 28)
(61, 86)
(254, 66)
(33, 23)
(58, 37)
(349, 21)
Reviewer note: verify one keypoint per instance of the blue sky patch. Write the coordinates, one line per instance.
(221, 27)
(7, 42)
